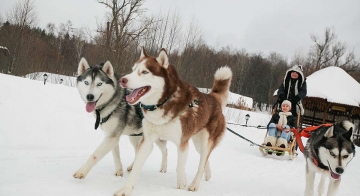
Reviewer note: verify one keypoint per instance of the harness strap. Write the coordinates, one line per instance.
(97, 122)
(252, 143)
(316, 162)
(138, 110)
(298, 139)
(306, 133)
(152, 108)
(139, 134)
(103, 120)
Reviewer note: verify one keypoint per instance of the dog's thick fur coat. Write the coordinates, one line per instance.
(182, 112)
(100, 90)
(328, 151)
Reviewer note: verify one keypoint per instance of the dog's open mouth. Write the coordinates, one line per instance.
(90, 106)
(135, 95)
(334, 175)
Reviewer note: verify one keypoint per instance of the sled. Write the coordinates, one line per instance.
(290, 149)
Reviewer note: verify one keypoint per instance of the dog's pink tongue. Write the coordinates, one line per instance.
(90, 106)
(335, 176)
(133, 95)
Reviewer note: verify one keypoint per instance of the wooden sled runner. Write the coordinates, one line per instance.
(290, 149)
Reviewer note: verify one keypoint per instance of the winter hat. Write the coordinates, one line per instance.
(295, 68)
(286, 102)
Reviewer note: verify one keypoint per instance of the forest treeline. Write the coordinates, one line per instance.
(27, 48)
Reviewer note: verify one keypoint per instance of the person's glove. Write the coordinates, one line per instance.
(296, 99)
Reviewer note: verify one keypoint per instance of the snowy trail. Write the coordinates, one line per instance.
(46, 135)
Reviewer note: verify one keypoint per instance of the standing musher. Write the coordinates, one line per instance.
(294, 89)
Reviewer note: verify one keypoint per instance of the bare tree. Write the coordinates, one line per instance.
(66, 28)
(1, 20)
(50, 27)
(126, 24)
(164, 32)
(174, 32)
(194, 35)
(24, 15)
(192, 39)
(321, 50)
(350, 64)
(330, 52)
(79, 39)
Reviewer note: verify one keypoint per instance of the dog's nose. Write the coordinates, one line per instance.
(123, 81)
(339, 170)
(90, 97)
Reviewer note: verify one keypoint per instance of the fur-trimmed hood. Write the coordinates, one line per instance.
(299, 70)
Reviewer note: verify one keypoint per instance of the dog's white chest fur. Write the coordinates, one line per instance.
(171, 131)
(157, 117)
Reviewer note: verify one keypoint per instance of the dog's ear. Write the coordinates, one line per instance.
(347, 135)
(163, 59)
(143, 52)
(330, 132)
(83, 65)
(108, 69)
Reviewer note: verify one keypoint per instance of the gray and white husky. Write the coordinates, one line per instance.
(328, 151)
(99, 88)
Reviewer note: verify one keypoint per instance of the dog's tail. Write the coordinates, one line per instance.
(221, 85)
(347, 125)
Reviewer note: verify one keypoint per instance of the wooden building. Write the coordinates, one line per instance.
(333, 96)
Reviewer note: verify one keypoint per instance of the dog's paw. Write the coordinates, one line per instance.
(81, 173)
(194, 186)
(119, 172)
(181, 183)
(129, 168)
(124, 191)
(163, 169)
(207, 175)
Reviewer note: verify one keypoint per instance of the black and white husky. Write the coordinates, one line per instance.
(100, 90)
(328, 151)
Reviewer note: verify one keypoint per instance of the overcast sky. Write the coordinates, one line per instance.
(263, 26)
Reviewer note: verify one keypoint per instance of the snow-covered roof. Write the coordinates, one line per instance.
(335, 85)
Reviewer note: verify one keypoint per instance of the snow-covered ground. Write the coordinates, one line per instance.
(46, 135)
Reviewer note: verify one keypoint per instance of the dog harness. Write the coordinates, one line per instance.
(103, 120)
(306, 133)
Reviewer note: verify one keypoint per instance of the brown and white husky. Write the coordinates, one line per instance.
(177, 111)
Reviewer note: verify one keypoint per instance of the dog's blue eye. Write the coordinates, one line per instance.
(86, 83)
(99, 84)
(144, 72)
(346, 156)
(332, 154)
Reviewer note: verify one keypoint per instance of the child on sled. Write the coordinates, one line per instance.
(279, 127)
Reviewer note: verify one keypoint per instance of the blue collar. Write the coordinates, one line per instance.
(139, 105)
(152, 107)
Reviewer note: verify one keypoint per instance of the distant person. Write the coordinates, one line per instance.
(294, 89)
(279, 127)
